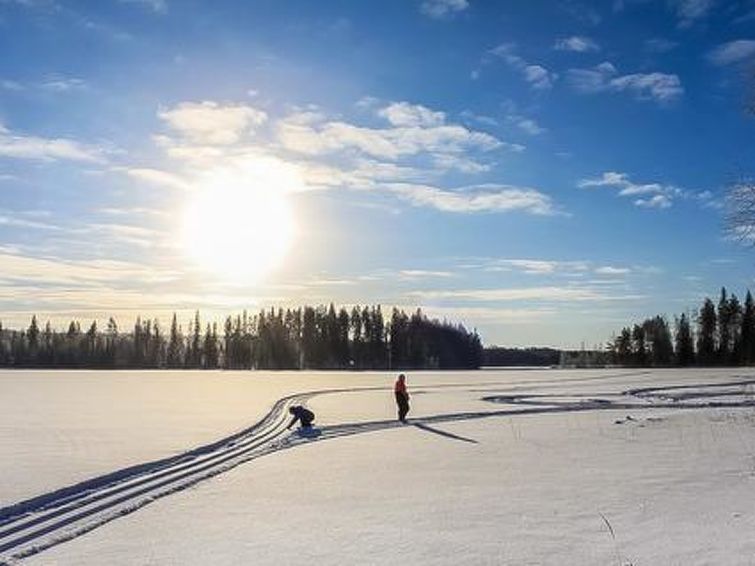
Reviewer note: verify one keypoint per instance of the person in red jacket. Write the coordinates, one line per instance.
(402, 397)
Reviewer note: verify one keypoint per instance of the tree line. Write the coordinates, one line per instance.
(302, 338)
(501, 356)
(718, 334)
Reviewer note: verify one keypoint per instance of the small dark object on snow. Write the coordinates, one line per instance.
(301, 414)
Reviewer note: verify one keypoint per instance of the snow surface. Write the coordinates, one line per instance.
(649, 483)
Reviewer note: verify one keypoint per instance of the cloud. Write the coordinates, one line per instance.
(439, 9)
(577, 43)
(609, 270)
(11, 85)
(16, 219)
(690, 11)
(448, 162)
(659, 87)
(57, 84)
(658, 195)
(37, 148)
(157, 6)
(746, 17)
(406, 157)
(414, 130)
(529, 126)
(49, 271)
(155, 177)
(659, 45)
(480, 118)
(124, 233)
(536, 266)
(423, 273)
(60, 84)
(212, 123)
(551, 294)
(568, 268)
(622, 182)
(537, 76)
(732, 52)
(411, 115)
(484, 198)
(656, 201)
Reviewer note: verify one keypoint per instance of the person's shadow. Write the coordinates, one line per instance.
(309, 432)
(439, 432)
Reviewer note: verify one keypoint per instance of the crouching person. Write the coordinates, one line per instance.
(304, 416)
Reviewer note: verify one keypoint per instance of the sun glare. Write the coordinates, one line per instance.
(239, 226)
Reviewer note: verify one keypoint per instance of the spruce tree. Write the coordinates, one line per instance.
(724, 328)
(706, 334)
(747, 331)
(685, 351)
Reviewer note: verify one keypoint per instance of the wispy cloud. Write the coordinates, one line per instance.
(484, 198)
(656, 201)
(60, 84)
(659, 87)
(157, 6)
(611, 270)
(26, 219)
(423, 274)
(528, 125)
(155, 177)
(537, 266)
(690, 11)
(577, 43)
(213, 123)
(659, 195)
(413, 130)
(733, 52)
(411, 115)
(550, 294)
(440, 9)
(20, 146)
(406, 157)
(659, 45)
(536, 75)
(648, 195)
(54, 83)
(15, 86)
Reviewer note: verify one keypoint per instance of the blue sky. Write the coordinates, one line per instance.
(543, 171)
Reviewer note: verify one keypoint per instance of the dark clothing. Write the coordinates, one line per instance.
(402, 400)
(304, 416)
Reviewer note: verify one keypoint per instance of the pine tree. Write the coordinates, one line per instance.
(639, 348)
(32, 335)
(685, 351)
(357, 339)
(196, 341)
(735, 331)
(658, 339)
(724, 328)
(706, 334)
(747, 331)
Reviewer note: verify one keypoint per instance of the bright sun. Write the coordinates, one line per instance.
(239, 225)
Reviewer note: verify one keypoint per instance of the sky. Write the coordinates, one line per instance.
(545, 172)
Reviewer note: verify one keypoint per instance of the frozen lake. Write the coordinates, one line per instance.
(517, 467)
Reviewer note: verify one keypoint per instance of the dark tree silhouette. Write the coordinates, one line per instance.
(685, 346)
(304, 338)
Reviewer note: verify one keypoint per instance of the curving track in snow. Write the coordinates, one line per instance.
(34, 525)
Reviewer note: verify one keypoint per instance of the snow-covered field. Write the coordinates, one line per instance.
(495, 467)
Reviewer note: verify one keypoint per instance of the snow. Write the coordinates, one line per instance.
(674, 484)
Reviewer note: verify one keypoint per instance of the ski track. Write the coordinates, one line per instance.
(34, 525)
